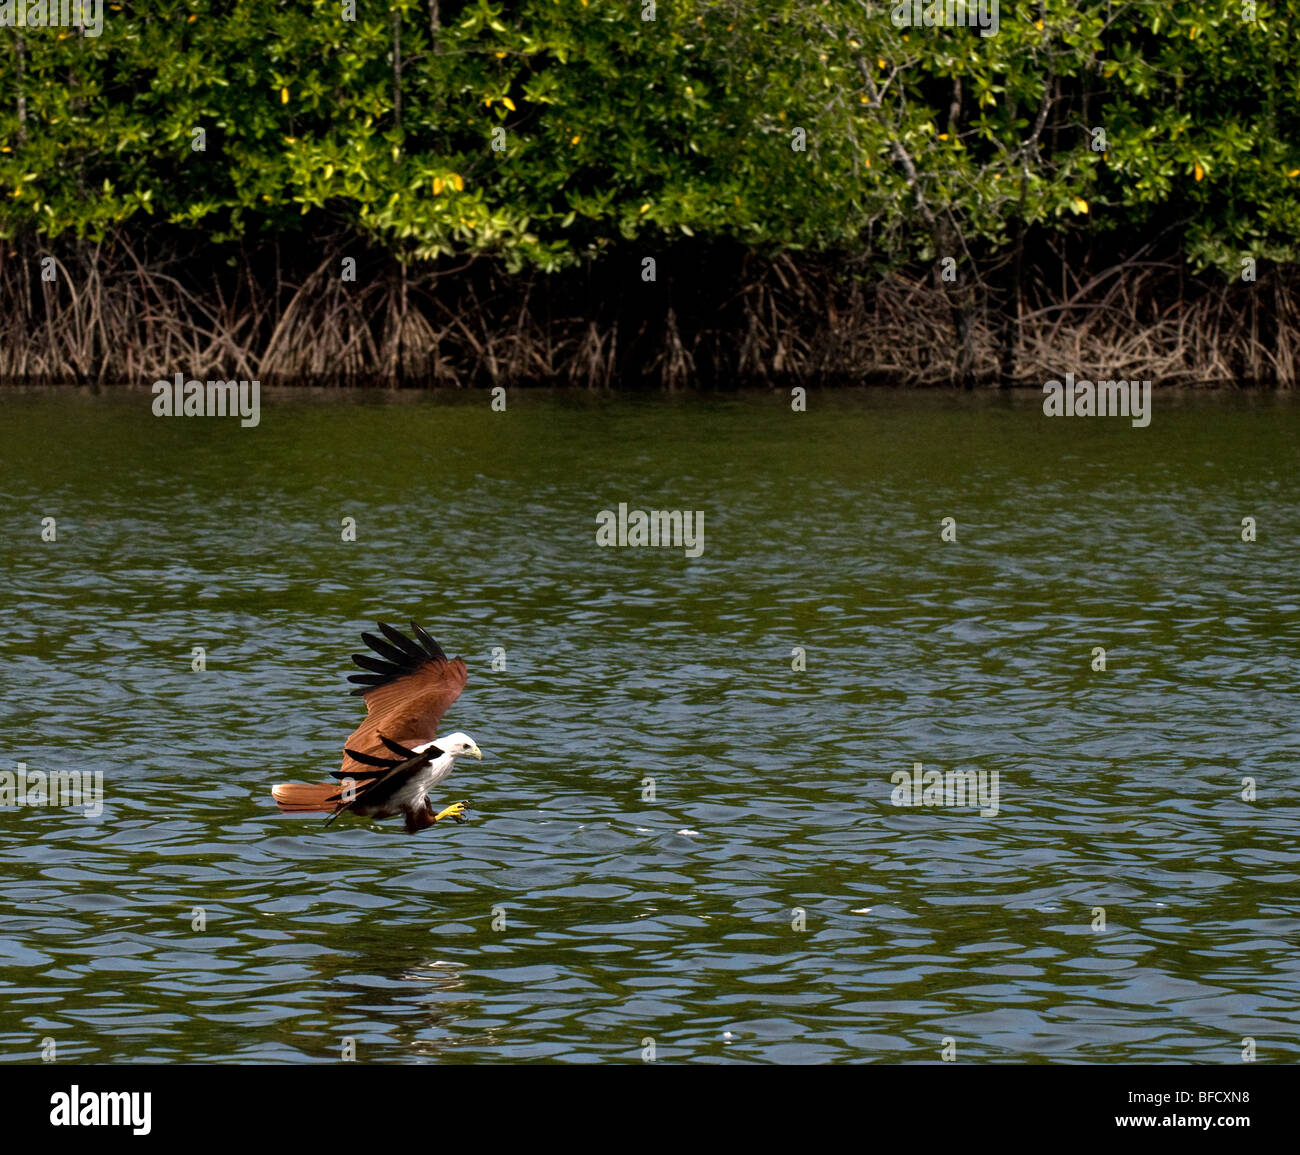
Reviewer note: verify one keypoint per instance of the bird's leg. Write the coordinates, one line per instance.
(456, 810)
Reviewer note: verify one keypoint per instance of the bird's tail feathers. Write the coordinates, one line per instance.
(300, 798)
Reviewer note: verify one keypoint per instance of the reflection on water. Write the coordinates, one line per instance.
(676, 832)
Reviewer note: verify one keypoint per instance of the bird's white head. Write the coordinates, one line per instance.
(458, 744)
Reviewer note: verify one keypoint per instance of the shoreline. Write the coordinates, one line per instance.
(715, 316)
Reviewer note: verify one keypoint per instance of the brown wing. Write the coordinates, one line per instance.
(408, 689)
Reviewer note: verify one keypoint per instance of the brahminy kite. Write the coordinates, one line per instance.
(392, 760)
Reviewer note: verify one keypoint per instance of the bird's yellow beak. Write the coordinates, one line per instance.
(477, 752)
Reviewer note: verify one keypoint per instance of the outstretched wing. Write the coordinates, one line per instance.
(408, 687)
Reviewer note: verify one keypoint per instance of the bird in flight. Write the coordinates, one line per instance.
(392, 760)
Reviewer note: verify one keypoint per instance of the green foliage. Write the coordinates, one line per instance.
(616, 127)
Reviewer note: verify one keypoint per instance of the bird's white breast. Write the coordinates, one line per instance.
(412, 794)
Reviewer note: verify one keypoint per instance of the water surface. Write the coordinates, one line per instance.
(675, 919)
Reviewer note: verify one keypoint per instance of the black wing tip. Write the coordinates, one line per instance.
(368, 680)
(431, 647)
(399, 655)
(422, 643)
(397, 748)
(409, 647)
(369, 759)
(373, 664)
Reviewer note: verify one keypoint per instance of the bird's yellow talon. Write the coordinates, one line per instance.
(456, 810)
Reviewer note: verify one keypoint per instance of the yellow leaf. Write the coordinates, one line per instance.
(437, 186)
(284, 96)
(487, 102)
(943, 136)
(575, 140)
(645, 208)
(1039, 25)
(500, 55)
(1079, 205)
(192, 19)
(1198, 171)
(457, 183)
(510, 104)
(1293, 172)
(880, 63)
(329, 171)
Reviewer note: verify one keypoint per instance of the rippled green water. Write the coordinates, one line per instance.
(673, 919)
